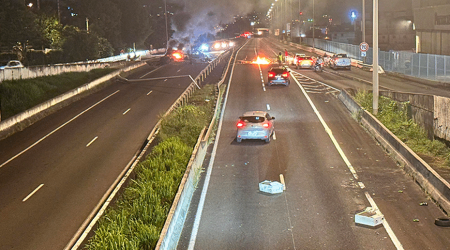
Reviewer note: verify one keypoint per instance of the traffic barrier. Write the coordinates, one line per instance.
(436, 186)
(28, 117)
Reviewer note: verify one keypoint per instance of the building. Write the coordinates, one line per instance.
(432, 26)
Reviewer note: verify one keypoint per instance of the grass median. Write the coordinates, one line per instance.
(17, 96)
(394, 116)
(137, 218)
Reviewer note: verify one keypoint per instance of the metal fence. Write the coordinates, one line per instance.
(427, 66)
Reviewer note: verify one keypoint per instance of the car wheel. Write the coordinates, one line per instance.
(238, 139)
(442, 222)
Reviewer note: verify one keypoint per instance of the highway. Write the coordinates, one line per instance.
(331, 166)
(53, 173)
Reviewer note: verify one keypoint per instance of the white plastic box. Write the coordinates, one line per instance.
(369, 217)
(271, 187)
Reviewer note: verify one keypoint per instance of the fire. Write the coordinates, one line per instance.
(261, 61)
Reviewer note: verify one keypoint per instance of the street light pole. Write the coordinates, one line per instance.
(167, 30)
(314, 27)
(375, 57)
(363, 21)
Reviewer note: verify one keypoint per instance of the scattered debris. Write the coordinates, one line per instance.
(271, 187)
(416, 220)
(370, 217)
(400, 191)
(423, 204)
(442, 222)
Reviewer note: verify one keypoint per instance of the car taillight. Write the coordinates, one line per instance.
(285, 74)
(266, 125)
(271, 74)
(240, 124)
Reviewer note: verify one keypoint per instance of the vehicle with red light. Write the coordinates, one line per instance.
(294, 59)
(278, 75)
(256, 125)
(305, 62)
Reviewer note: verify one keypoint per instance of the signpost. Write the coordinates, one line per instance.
(363, 47)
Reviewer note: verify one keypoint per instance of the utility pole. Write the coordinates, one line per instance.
(167, 29)
(314, 27)
(375, 57)
(363, 21)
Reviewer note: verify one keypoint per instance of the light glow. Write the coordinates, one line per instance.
(262, 60)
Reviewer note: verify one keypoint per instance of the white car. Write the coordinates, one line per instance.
(255, 125)
(13, 64)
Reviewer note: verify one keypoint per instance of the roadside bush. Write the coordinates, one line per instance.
(139, 216)
(185, 122)
(394, 116)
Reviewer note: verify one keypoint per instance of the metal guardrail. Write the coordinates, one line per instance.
(426, 66)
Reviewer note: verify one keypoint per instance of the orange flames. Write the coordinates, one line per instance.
(262, 60)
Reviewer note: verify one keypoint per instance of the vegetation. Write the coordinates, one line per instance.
(136, 220)
(81, 29)
(17, 96)
(394, 116)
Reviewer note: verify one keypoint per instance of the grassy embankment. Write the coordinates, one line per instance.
(394, 116)
(20, 95)
(137, 218)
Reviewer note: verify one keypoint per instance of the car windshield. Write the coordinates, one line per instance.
(253, 119)
(278, 70)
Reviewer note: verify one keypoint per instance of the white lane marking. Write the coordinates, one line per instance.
(31, 194)
(361, 185)
(148, 73)
(328, 130)
(92, 141)
(150, 92)
(388, 228)
(201, 203)
(58, 128)
(264, 88)
(274, 136)
(268, 107)
(282, 181)
(128, 110)
(314, 80)
(352, 170)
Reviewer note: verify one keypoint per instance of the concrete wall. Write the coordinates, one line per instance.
(441, 126)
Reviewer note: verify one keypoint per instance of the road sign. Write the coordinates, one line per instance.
(363, 54)
(364, 47)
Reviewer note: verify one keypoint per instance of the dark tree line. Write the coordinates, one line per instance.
(81, 29)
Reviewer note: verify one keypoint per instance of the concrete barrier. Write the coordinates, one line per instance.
(436, 186)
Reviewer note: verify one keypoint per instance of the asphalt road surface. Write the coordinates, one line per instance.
(332, 169)
(53, 173)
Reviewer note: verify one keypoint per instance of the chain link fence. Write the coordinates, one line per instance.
(427, 66)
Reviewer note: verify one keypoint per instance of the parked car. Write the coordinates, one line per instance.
(278, 75)
(13, 64)
(340, 61)
(255, 125)
(305, 62)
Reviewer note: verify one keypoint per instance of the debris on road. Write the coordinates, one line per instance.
(369, 217)
(271, 187)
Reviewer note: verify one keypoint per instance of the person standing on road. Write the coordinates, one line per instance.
(280, 58)
(286, 54)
